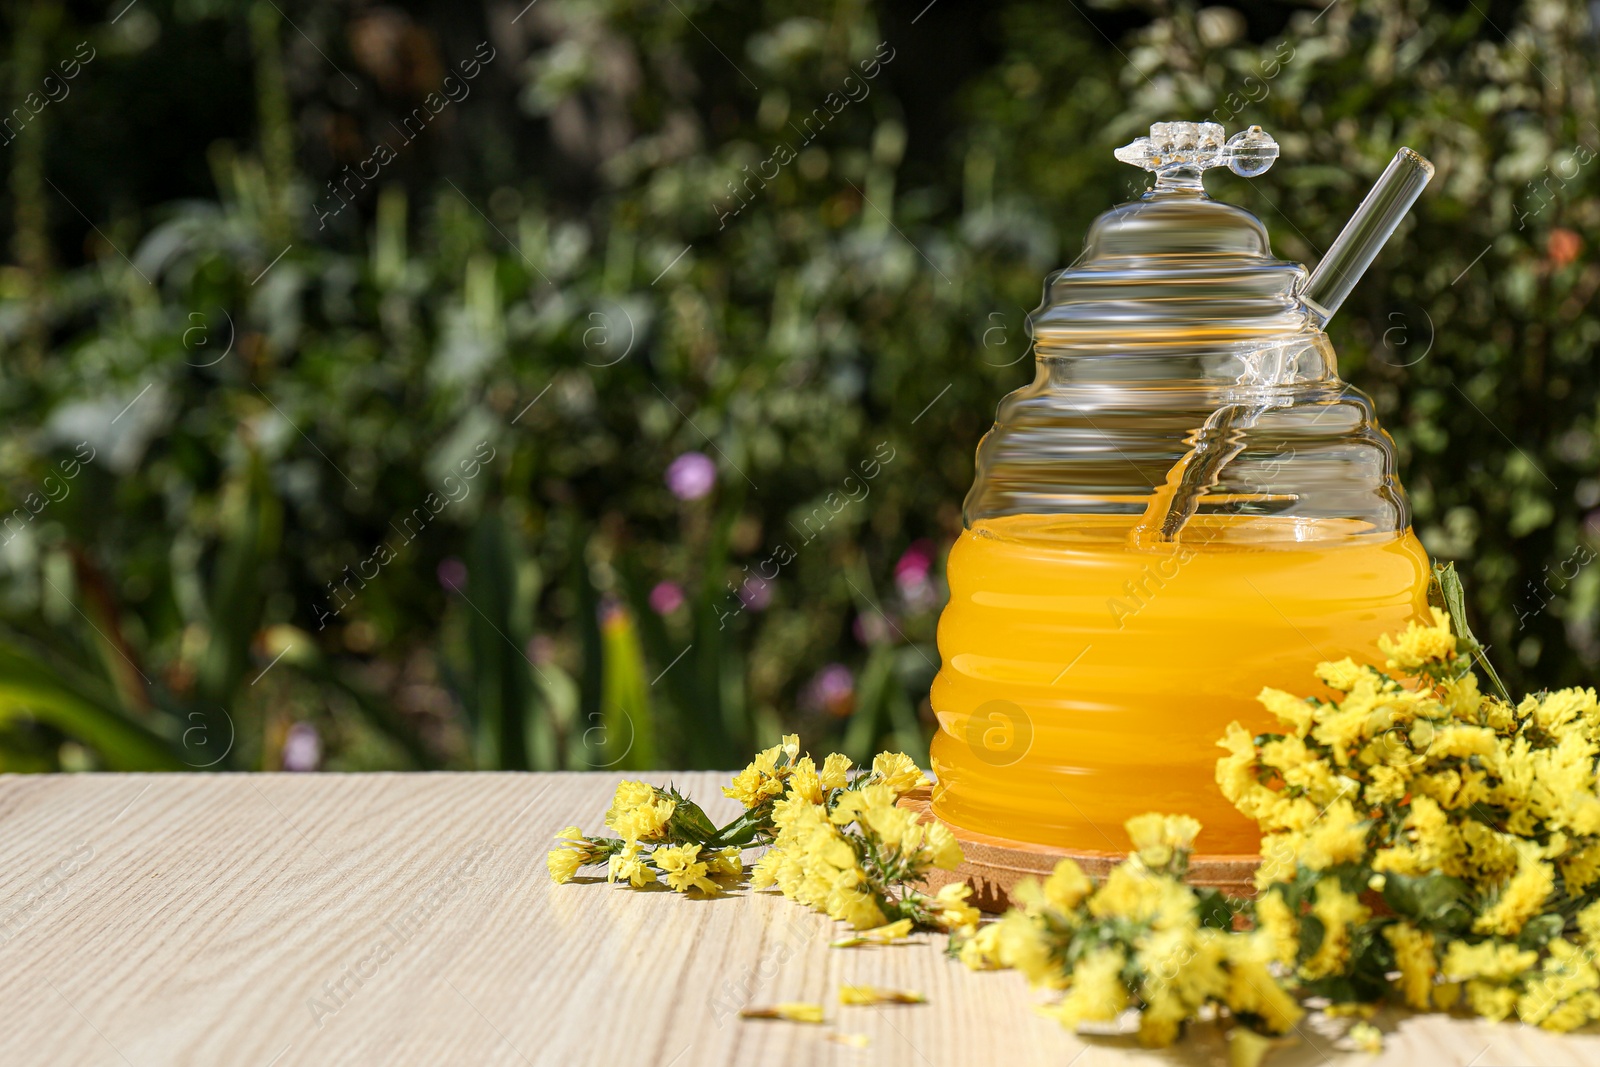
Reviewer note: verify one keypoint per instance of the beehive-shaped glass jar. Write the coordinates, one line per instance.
(1185, 505)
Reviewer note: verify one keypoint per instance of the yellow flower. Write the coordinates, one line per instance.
(897, 771)
(952, 910)
(681, 868)
(1497, 961)
(1157, 838)
(1289, 709)
(1067, 886)
(639, 812)
(981, 951)
(629, 866)
(1493, 1002)
(835, 772)
(1339, 836)
(1413, 954)
(1562, 707)
(1522, 898)
(1278, 926)
(793, 1011)
(573, 851)
(563, 864)
(1097, 993)
(1338, 912)
(1589, 925)
(1253, 990)
(1560, 994)
(804, 781)
(759, 782)
(1420, 646)
(1019, 944)
(725, 863)
(1343, 675)
(943, 849)
(1581, 869)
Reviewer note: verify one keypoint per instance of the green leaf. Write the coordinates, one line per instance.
(1455, 605)
(1434, 901)
(30, 687)
(1540, 931)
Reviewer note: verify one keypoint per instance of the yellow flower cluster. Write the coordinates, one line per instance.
(1136, 940)
(1476, 819)
(848, 848)
(763, 781)
(842, 845)
(663, 838)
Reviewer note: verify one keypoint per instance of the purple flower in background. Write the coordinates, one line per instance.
(691, 476)
(912, 574)
(452, 574)
(914, 564)
(666, 598)
(755, 594)
(302, 749)
(832, 690)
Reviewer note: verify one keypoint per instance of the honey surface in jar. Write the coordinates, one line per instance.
(1086, 680)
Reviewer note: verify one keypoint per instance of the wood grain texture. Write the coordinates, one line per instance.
(172, 920)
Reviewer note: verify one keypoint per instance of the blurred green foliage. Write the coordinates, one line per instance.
(390, 454)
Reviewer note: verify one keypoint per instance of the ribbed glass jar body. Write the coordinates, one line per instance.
(1156, 532)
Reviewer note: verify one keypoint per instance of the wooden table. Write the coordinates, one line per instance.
(278, 920)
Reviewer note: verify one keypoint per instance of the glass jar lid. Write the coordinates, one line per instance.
(1176, 265)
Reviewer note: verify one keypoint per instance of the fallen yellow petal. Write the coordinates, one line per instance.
(853, 1040)
(794, 1011)
(869, 995)
(878, 935)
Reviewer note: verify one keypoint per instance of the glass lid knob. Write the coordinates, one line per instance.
(1183, 149)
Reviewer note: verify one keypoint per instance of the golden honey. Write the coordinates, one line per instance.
(1088, 674)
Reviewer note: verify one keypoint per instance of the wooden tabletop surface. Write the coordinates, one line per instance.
(277, 920)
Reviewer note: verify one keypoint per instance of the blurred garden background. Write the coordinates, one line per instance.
(595, 383)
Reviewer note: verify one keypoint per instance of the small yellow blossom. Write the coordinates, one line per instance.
(1521, 899)
(1420, 645)
(639, 812)
(761, 781)
(1589, 926)
(682, 869)
(1097, 993)
(724, 863)
(804, 782)
(1278, 925)
(573, 852)
(1413, 954)
(951, 908)
(981, 951)
(1338, 911)
(835, 773)
(629, 866)
(1497, 961)
(1157, 837)
(897, 771)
